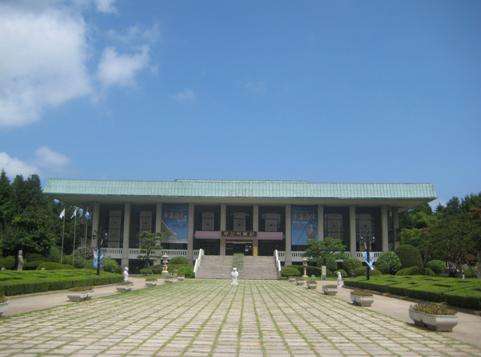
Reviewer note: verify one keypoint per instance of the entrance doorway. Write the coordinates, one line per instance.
(232, 248)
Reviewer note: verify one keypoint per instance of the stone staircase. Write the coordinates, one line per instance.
(219, 267)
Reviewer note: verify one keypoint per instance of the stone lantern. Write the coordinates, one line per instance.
(304, 265)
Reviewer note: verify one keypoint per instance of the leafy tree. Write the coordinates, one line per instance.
(325, 252)
(148, 243)
(388, 263)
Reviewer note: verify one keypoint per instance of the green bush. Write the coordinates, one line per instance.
(415, 271)
(79, 261)
(111, 266)
(410, 271)
(157, 269)
(409, 256)
(7, 262)
(290, 270)
(470, 272)
(25, 282)
(463, 293)
(53, 266)
(388, 263)
(185, 270)
(437, 266)
(351, 265)
(146, 271)
(360, 271)
(179, 261)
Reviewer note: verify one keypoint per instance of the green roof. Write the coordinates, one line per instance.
(242, 189)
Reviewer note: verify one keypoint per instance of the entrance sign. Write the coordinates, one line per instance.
(175, 217)
(238, 234)
(304, 224)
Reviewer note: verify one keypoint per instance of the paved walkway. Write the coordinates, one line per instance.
(33, 302)
(467, 330)
(209, 317)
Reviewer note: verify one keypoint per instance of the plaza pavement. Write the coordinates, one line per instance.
(209, 317)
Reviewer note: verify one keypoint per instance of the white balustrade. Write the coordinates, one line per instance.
(298, 255)
(116, 253)
(277, 261)
(198, 260)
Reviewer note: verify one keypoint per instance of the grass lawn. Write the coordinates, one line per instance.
(456, 292)
(32, 281)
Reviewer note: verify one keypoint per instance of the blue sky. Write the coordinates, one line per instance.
(346, 91)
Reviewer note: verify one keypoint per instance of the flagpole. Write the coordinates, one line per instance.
(63, 237)
(74, 233)
(85, 238)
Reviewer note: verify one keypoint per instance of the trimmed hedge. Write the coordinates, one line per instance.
(26, 282)
(290, 270)
(456, 292)
(7, 262)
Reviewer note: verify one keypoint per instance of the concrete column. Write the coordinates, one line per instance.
(255, 218)
(158, 217)
(395, 220)
(320, 222)
(223, 225)
(288, 255)
(352, 230)
(384, 229)
(95, 225)
(190, 233)
(126, 236)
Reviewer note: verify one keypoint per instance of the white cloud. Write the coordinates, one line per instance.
(133, 35)
(121, 69)
(13, 166)
(49, 159)
(185, 96)
(106, 6)
(42, 61)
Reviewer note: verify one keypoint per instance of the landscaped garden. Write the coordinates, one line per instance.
(456, 292)
(24, 282)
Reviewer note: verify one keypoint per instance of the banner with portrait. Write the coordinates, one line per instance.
(303, 224)
(176, 217)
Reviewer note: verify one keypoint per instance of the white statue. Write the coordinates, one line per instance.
(234, 274)
(20, 260)
(126, 274)
(340, 282)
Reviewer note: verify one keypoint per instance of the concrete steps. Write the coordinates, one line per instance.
(220, 267)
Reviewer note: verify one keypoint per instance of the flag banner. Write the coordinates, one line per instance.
(87, 215)
(95, 259)
(62, 214)
(80, 212)
(304, 224)
(74, 212)
(175, 217)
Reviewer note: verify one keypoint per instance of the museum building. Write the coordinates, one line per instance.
(253, 217)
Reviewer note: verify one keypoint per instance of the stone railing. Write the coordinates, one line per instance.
(277, 262)
(198, 260)
(298, 255)
(116, 253)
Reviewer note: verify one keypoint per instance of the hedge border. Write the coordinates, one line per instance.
(63, 283)
(451, 297)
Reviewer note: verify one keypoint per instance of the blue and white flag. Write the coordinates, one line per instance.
(74, 212)
(95, 259)
(368, 261)
(87, 215)
(62, 214)
(80, 212)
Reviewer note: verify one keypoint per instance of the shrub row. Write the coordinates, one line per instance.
(469, 297)
(58, 280)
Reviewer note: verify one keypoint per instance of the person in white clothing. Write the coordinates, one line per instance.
(234, 274)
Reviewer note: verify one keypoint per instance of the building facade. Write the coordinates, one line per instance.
(224, 217)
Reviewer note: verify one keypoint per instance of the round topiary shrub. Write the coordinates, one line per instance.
(111, 266)
(179, 261)
(290, 270)
(469, 272)
(343, 272)
(146, 271)
(351, 265)
(185, 270)
(360, 271)
(437, 266)
(157, 269)
(7, 262)
(388, 263)
(411, 271)
(409, 256)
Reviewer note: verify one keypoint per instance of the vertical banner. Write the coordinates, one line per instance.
(176, 217)
(304, 224)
